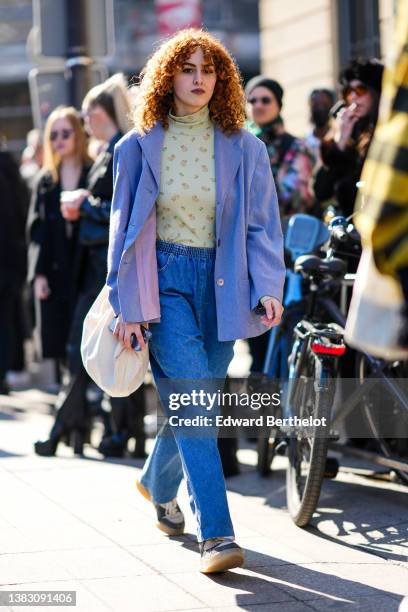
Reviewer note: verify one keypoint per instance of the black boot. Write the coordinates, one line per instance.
(139, 451)
(114, 445)
(78, 437)
(48, 448)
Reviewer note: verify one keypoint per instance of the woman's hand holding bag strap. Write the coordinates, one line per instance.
(124, 332)
(115, 369)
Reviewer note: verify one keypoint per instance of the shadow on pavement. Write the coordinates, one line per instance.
(375, 517)
(5, 454)
(277, 581)
(360, 516)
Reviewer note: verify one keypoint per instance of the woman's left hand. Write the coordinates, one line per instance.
(274, 310)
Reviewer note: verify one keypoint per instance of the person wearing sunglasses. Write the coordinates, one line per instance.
(291, 161)
(52, 239)
(343, 154)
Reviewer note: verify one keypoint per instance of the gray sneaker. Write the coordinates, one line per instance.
(170, 518)
(220, 555)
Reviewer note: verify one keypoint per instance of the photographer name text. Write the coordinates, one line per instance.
(259, 421)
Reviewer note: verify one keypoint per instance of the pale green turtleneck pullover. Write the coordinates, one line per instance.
(186, 201)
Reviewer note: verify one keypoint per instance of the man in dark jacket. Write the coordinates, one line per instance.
(13, 207)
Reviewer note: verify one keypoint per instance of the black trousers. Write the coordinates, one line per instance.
(257, 348)
(6, 332)
(127, 413)
(73, 409)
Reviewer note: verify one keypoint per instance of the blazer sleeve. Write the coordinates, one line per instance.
(266, 265)
(119, 217)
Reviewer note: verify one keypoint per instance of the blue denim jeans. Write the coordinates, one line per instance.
(184, 345)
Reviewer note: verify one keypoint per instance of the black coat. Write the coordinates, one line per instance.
(91, 265)
(14, 200)
(91, 261)
(337, 178)
(53, 243)
(341, 170)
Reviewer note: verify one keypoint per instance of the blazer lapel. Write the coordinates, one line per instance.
(227, 154)
(227, 157)
(152, 144)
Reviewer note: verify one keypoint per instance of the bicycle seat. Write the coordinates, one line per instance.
(308, 265)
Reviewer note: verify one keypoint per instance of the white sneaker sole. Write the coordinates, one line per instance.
(169, 530)
(143, 491)
(223, 562)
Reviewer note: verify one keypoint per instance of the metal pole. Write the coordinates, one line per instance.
(77, 50)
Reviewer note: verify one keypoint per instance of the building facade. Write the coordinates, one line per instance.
(305, 44)
(235, 22)
(301, 44)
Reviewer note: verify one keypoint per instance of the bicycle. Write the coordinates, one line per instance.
(302, 234)
(314, 366)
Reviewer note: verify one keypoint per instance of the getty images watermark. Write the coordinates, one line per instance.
(216, 401)
(300, 407)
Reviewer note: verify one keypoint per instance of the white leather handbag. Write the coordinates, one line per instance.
(375, 320)
(116, 370)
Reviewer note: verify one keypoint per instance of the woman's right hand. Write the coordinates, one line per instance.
(345, 122)
(41, 288)
(123, 332)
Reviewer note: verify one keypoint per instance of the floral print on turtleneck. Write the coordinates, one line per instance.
(186, 201)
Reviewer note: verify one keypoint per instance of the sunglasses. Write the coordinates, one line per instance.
(263, 100)
(359, 90)
(65, 134)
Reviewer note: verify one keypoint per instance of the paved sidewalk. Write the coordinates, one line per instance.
(79, 524)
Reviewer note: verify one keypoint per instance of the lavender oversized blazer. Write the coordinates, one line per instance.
(249, 247)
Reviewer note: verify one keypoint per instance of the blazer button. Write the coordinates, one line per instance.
(220, 282)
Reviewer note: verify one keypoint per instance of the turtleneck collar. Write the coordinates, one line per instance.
(199, 119)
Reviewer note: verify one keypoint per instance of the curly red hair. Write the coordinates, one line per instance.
(155, 97)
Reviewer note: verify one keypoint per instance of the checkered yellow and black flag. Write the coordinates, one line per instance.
(383, 218)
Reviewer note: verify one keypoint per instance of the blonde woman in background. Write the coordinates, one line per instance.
(52, 239)
(105, 109)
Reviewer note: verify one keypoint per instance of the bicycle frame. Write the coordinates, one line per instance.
(378, 371)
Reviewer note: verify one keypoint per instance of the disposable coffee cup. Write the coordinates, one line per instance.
(68, 197)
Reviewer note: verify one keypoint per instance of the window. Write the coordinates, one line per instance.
(358, 29)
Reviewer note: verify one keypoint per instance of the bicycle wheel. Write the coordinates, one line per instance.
(390, 447)
(309, 394)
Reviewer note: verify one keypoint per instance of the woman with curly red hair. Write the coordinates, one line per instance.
(195, 245)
